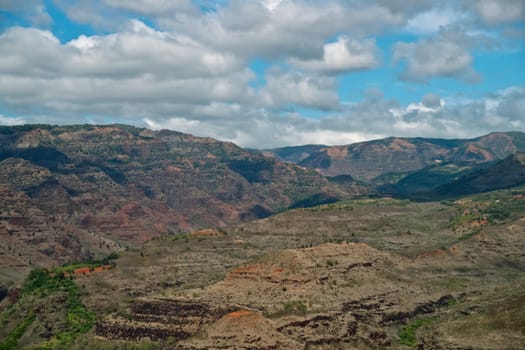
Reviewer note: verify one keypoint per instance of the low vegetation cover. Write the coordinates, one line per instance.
(488, 208)
(43, 283)
(320, 276)
(407, 336)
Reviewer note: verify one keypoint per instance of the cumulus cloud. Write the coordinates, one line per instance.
(138, 65)
(445, 55)
(136, 52)
(433, 20)
(33, 11)
(496, 12)
(154, 7)
(285, 88)
(431, 101)
(11, 121)
(262, 130)
(468, 118)
(293, 29)
(510, 105)
(407, 7)
(343, 55)
(374, 117)
(112, 14)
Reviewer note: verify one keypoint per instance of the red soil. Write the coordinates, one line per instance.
(87, 270)
(239, 313)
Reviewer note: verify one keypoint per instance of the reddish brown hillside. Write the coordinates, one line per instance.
(367, 160)
(120, 185)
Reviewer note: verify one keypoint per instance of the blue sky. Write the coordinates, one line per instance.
(267, 73)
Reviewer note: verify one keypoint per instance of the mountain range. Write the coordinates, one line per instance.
(370, 160)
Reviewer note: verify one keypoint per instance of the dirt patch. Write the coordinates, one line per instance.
(242, 329)
(439, 253)
(454, 249)
(207, 232)
(88, 270)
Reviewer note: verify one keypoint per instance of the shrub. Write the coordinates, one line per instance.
(10, 342)
(293, 306)
(407, 336)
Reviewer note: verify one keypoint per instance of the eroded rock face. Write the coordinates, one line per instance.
(127, 185)
(103, 169)
(328, 295)
(161, 318)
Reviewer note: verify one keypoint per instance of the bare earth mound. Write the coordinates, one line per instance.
(243, 329)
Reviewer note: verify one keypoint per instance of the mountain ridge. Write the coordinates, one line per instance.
(369, 159)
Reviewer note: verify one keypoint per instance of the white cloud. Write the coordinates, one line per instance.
(153, 7)
(293, 29)
(344, 55)
(11, 121)
(113, 14)
(272, 4)
(432, 101)
(284, 88)
(372, 118)
(431, 21)
(502, 111)
(33, 11)
(444, 55)
(139, 65)
(496, 12)
(137, 52)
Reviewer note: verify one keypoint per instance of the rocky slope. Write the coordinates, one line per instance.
(368, 160)
(352, 295)
(80, 190)
(359, 274)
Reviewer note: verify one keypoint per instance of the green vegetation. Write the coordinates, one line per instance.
(351, 204)
(79, 320)
(291, 307)
(407, 336)
(486, 209)
(6, 314)
(41, 284)
(469, 235)
(91, 264)
(294, 306)
(452, 302)
(10, 342)
(451, 284)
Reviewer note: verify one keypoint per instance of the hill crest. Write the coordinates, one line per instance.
(367, 160)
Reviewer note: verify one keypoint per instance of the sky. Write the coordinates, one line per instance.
(267, 73)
